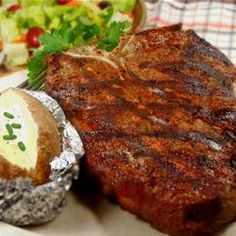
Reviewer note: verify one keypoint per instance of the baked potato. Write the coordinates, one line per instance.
(29, 137)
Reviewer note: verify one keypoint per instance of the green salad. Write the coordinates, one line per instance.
(36, 28)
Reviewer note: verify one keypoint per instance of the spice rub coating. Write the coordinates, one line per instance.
(157, 119)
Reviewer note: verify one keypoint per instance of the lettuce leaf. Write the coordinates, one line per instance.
(8, 30)
(124, 6)
(28, 3)
(31, 16)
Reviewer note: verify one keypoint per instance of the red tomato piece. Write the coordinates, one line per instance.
(63, 2)
(32, 36)
(14, 8)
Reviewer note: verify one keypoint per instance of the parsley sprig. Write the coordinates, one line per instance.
(67, 37)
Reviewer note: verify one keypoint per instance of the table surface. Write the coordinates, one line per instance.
(100, 219)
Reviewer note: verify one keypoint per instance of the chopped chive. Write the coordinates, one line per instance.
(9, 129)
(22, 147)
(9, 137)
(16, 126)
(8, 115)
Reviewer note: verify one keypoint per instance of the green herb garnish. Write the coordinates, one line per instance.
(68, 36)
(9, 137)
(22, 147)
(9, 129)
(16, 126)
(111, 35)
(8, 115)
(107, 15)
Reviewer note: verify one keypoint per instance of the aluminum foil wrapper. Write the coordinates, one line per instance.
(23, 204)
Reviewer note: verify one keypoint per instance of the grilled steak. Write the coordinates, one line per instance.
(157, 119)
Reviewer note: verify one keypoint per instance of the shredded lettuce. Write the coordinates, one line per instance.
(55, 23)
(93, 11)
(73, 14)
(27, 3)
(30, 17)
(124, 6)
(8, 30)
(55, 11)
(2, 14)
(6, 3)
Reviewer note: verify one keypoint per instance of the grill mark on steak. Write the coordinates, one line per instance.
(213, 142)
(194, 110)
(165, 151)
(141, 149)
(193, 85)
(208, 69)
(173, 70)
(133, 144)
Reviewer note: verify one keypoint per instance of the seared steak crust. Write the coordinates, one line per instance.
(157, 118)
